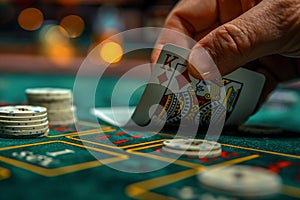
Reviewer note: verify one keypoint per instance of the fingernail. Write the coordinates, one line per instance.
(201, 60)
(155, 52)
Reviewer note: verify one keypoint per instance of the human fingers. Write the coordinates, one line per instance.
(185, 19)
(269, 28)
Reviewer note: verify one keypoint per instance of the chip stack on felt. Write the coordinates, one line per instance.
(58, 102)
(22, 121)
(193, 147)
(247, 182)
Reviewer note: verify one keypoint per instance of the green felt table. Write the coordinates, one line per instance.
(90, 168)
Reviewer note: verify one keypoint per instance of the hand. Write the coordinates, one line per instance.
(240, 32)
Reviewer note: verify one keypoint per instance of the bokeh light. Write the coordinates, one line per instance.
(73, 25)
(60, 54)
(111, 52)
(54, 34)
(55, 46)
(30, 19)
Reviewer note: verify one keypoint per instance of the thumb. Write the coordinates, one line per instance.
(252, 35)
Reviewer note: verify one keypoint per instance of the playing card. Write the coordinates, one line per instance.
(173, 95)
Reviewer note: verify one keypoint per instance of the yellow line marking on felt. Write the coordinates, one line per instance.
(86, 132)
(72, 137)
(91, 142)
(25, 145)
(291, 191)
(141, 190)
(165, 159)
(4, 173)
(157, 157)
(50, 172)
(143, 144)
(64, 142)
(146, 147)
(263, 151)
(65, 169)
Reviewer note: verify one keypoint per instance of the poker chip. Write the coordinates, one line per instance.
(58, 101)
(22, 121)
(259, 129)
(242, 180)
(48, 93)
(22, 110)
(200, 154)
(192, 147)
(192, 144)
(52, 105)
(24, 135)
(25, 131)
(24, 118)
(63, 114)
(23, 127)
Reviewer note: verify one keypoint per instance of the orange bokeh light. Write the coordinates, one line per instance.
(73, 25)
(111, 52)
(60, 54)
(56, 47)
(30, 19)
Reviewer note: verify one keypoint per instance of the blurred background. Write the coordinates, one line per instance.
(53, 37)
(56, 35)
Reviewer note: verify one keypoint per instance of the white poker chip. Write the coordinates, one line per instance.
(24, 135)
(48, 93)
(241, 180)
(63, 112)
(192, 144)
(6, 127)
(24, 118)
(22, 110)
(22, 123)
(52, 105)
(62, 117)
(23, 131)
(58, 101)
(200, 154)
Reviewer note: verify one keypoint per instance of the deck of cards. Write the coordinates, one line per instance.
(173, 96)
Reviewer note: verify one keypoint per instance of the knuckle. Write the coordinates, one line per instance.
(285, 22)
(235, 38)
(284, 13)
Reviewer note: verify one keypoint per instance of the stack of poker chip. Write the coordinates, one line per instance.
(247, 182)
(192, 147)
(58, 101)
(23, 121)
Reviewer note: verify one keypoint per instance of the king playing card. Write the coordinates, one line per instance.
(173, 96)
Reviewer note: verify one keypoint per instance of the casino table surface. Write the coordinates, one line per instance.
(87, 157)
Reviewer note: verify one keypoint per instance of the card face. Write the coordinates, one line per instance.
(182, 96)
(173, 95)
(162, 82)
(251, 86)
